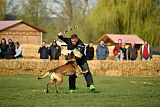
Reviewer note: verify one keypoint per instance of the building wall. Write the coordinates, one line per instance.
(22, 33)
(22, 27)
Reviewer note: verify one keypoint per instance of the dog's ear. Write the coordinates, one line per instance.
(70, 55)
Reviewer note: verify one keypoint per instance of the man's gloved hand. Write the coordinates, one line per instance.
(77, 53)
(65, 52)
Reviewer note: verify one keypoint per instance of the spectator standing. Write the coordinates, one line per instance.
(54, 51)
(10, 52)
(90, 51)
(102, 51)
(132, 52)
(3, 47)
(146, 51)
(116, 48)
(43, 50)
(18, 51)
(122, 52)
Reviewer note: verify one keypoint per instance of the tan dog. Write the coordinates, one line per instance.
(68, 69)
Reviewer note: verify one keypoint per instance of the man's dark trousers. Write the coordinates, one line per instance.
(88, 77)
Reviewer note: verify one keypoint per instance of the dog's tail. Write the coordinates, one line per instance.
(45, 75)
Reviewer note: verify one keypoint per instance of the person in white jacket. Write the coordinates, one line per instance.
(18, 51)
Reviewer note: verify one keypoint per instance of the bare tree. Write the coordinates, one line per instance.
(67, 10)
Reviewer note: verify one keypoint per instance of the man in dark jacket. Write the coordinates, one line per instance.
(90, 51)
(122, 52)
(43, 50)
(75, 44)
(10, 52)
(54, 51)
(132, 52)
(3, 47)
(102, 51)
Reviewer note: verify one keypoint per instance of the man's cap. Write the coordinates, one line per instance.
(9, 40)
(54, 41)
(17, 43)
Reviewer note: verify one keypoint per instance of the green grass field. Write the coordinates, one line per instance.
(26, 90)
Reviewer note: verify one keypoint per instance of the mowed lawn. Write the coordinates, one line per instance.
(25, 90)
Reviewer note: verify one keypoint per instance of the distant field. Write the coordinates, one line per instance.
(26, 90)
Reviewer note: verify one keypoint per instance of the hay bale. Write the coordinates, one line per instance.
(99, 67)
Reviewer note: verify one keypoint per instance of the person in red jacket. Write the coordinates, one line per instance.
(146, 51)
(116, 48)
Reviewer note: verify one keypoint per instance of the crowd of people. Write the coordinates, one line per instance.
(54, 51)
(121, 53)
(10, 50)
(102, 51)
